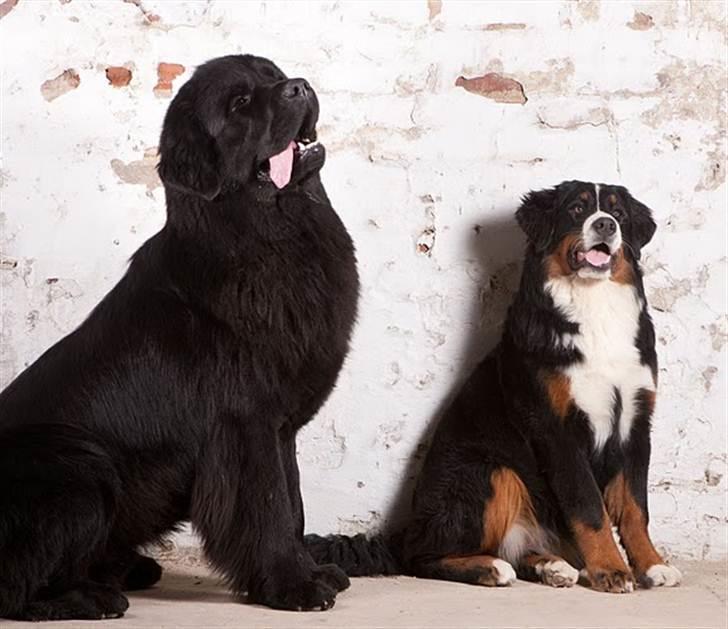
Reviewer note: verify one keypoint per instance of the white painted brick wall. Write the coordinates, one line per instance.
(622, 92)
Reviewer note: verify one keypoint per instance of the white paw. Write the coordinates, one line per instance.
(505, 574)
(662, 574)
(557, 573)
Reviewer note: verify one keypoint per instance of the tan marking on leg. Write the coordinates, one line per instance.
(598, 546)
(621, 268)
(558, 390)
(481, 569)
(632, 525)
(606, 568)
(510, 502)
(533, 560)
(468, 563)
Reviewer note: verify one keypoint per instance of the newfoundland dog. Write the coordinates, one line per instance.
(181, 395)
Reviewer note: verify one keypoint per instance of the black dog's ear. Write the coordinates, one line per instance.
(189, 157)
(536, 217)
(643, 226)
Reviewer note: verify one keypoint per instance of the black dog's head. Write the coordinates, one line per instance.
(239, 121)
(584, 229)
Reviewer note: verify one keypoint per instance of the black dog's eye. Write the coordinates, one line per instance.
(239, 102)
(576, 210)
(619, 214)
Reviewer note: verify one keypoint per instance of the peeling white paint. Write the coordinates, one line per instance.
(426, 176)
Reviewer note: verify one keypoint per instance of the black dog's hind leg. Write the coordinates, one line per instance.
(242, 508)
(143, 574)
(84, 600)
(57, 502)
(126, 569)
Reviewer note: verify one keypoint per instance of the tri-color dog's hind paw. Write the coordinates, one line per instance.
(661, 575)
(503, 573)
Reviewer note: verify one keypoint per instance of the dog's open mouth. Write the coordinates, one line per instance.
(598, 257)
(279, 167)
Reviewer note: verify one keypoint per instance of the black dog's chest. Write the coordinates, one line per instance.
(291, 300)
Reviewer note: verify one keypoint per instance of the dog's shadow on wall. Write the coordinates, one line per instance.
(495, 246)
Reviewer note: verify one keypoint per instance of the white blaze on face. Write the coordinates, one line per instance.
(598, 260)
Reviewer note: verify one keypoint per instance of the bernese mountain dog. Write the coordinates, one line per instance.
(547, 445)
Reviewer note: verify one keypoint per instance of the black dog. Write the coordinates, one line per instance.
(548, 443)
(182, 393)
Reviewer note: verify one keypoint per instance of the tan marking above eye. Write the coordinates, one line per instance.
(584, 196)
(612, 199)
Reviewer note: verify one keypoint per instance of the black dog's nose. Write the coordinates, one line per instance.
(297, 88)
(605, 226)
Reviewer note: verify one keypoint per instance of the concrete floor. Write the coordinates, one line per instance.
(188, 596)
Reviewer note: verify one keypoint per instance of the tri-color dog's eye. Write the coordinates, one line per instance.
(240, 101)
(618, 214)
(576, 210)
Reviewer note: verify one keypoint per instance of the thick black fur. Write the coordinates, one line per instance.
(502, 418)
(181, 395)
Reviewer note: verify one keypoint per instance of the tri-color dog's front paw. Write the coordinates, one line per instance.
(612, 580)
(661, 575)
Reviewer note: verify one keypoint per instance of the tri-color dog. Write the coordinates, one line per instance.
(548, 443)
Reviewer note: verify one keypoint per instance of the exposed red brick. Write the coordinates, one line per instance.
(6, 7)
(65, 82)
(641, 22)
(495, 86)
(118, 76)
(167, 72)
(434, 7)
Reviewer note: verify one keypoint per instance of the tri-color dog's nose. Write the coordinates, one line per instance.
(297, 88)
(605, 226)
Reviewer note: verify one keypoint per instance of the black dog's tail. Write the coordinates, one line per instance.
(358, 556)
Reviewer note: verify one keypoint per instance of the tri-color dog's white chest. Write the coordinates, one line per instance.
(608, 315)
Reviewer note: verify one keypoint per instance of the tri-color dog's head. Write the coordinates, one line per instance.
(586, 230)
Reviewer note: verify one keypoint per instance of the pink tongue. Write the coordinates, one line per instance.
(596, 257)
(281, 166)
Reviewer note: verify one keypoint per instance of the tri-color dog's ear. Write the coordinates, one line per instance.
(536, 217)
(643, 225)
(189, 157)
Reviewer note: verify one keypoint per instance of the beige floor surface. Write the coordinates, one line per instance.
(188, 596)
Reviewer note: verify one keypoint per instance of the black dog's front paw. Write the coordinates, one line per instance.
(333, 575)
(313, 594)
